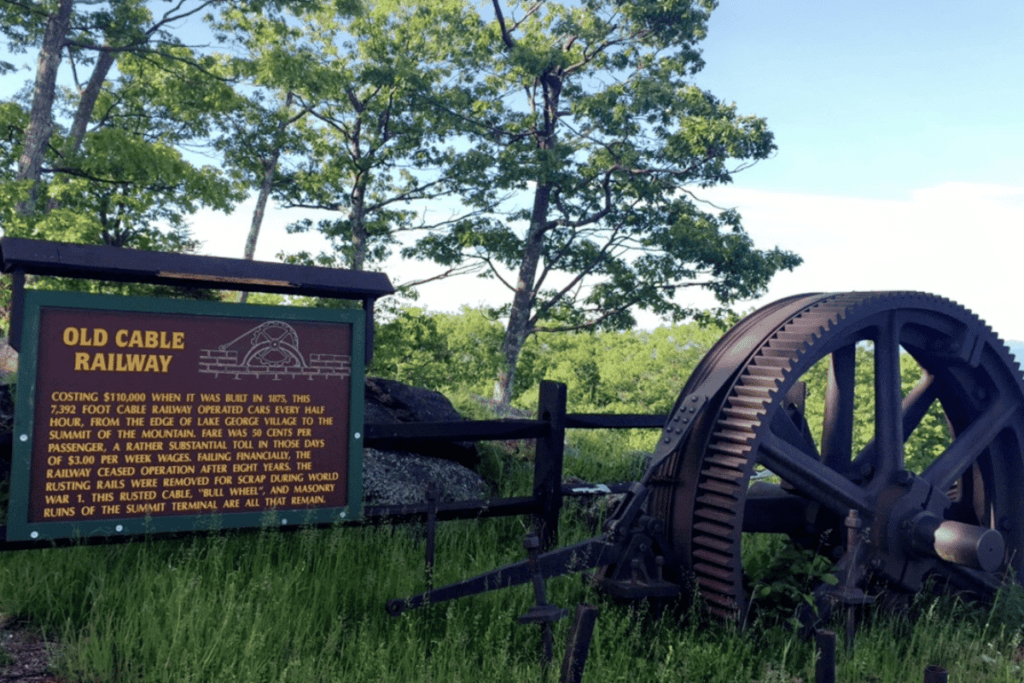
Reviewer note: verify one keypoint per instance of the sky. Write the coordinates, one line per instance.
(900, 160)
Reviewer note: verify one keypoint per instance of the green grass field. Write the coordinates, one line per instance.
(309, 606)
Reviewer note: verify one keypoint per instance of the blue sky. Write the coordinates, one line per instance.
(900, 143)
(901, 150)
(875, 98)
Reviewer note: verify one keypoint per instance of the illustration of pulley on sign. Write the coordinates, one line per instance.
(274, 344)
(271, 348)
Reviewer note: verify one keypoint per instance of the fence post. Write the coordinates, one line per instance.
(547, 466)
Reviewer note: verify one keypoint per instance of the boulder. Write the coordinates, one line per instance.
(391, 402)
(399, 475)
(401, 478)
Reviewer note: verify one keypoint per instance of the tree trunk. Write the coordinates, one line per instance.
(519, 327)
(357, 222)
(86, 105)
(269, 170)
(40, 125)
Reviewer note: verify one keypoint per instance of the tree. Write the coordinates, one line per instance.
(93, 37)
(585, 115)
(375, 139)
(126, 181)
(104, 160)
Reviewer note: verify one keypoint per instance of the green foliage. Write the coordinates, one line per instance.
(114, 164)
(632, 371)
(616, 372)
(926, 442)
(363, 122)
(783, 576)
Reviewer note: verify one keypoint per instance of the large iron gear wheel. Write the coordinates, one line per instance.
(703, 490)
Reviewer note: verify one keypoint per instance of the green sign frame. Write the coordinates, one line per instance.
(122, 406)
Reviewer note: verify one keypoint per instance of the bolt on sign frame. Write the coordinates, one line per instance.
(141, 415)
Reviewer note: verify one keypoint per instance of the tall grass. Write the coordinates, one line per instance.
(309, 606)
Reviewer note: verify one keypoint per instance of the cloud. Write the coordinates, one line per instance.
(958, 240)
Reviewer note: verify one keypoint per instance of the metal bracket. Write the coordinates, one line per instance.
(628, 540)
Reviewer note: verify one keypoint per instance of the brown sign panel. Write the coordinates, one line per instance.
(149, 415)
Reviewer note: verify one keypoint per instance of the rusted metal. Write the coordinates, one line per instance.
(542, 612)
(628, 535)
(956, 517)
(825, 665)
(578, 647)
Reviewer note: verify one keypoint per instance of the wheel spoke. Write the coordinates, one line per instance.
(812, 477)
(917, 403)
(969, 444)
(914, 407)
(837, 428)
(888, 399)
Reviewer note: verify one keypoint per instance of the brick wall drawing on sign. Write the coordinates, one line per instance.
(271, 349)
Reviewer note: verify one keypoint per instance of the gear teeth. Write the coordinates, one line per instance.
(773, 361)
(739, 450)
(714, 530)
(748, 414)
(725, 488)
(714, 544)
(727, 460)
(724, 474)
(754, 403)
(724, 561)
(723, 502)
(724, 517)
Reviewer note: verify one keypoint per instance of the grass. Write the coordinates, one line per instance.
(309, 606)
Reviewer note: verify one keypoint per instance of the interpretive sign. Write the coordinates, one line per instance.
(148, 415)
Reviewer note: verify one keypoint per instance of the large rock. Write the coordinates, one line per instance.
(391, 402)
(399, 475)
(401, 478)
